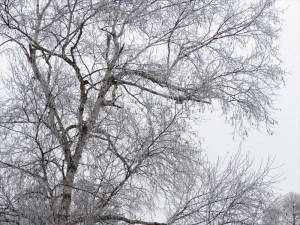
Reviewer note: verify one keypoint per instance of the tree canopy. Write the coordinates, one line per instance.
(284, 210)
(94, 118)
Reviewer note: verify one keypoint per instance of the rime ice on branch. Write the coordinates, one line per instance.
(93, 121)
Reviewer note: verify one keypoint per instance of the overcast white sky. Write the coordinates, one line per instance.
(285, 143)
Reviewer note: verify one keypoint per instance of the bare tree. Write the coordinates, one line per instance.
(272, 214)
(284, 211)
(291, 209)
(94, 118)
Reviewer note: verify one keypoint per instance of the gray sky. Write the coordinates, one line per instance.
(284, 144)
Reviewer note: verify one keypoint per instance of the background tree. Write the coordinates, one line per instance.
(94, 119)
(285, 211)
(291, 209)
